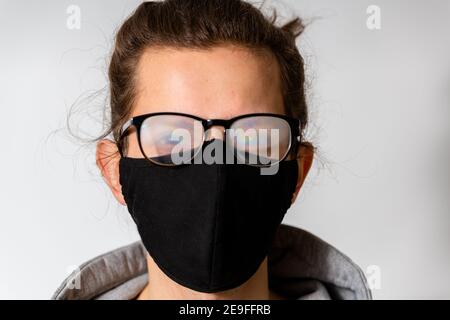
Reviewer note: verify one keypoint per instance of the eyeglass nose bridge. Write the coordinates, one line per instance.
(212, 130)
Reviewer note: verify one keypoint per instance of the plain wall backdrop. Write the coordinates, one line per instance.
(379, 102)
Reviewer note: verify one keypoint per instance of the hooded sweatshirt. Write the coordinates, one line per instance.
(300, 266)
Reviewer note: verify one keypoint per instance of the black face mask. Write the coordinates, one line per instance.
(207, 227)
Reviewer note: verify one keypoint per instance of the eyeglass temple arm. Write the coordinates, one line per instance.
(123, 132)
(298, 141)
(126, 126)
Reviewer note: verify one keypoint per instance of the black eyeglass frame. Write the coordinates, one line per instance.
(136, 122)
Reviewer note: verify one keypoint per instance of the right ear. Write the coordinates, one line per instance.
(305, 160)
(107, 159)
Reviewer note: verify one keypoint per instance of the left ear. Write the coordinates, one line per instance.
(305, 160)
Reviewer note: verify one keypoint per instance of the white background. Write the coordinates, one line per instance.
(379, 100)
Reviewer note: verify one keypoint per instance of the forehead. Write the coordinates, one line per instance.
(219, 82)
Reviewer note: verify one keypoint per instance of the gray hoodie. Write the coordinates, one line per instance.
(300, 266)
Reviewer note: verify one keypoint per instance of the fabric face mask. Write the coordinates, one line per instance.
(207, 227)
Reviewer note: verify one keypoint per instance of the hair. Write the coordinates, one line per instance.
(202, 24)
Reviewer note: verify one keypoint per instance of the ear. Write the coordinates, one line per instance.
(107, 159)
(305, 160)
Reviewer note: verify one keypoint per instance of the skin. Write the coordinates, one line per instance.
(218, 83)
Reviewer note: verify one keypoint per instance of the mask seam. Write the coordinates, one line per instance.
(216, 209)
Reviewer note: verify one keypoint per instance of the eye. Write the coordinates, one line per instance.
(170, 139)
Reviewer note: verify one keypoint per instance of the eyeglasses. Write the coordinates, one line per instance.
(172, 138)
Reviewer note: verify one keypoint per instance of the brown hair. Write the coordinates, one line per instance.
(203, 24)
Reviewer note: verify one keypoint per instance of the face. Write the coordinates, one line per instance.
(218, 83)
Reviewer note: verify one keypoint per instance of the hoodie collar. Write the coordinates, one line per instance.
(300, 266)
